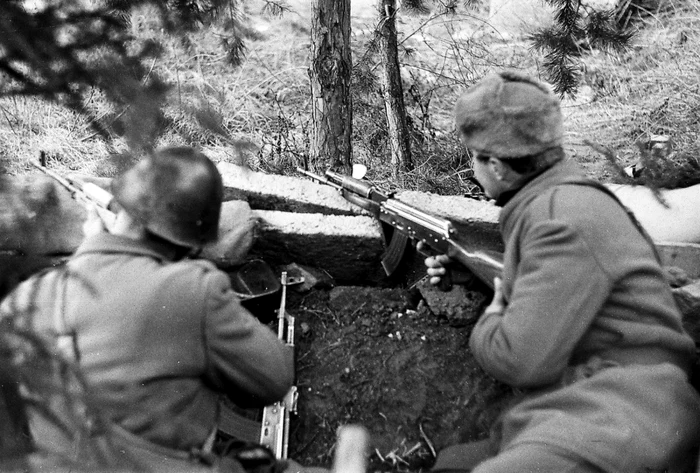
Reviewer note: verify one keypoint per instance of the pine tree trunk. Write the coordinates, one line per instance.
(330, 74)
(392, 90)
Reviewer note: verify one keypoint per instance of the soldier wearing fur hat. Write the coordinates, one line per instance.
(582, 320)
(158, 337)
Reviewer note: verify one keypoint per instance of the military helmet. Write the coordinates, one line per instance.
(509, 115)
(175, 193)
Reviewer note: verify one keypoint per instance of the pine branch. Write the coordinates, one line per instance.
(61, 51)
(556, 41)
(415, 7)
(275, 8)
(604, 33)
(567, 12)
(563, 73)
(572, 34)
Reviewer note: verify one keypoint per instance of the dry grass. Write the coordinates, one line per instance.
(259, 113)
(650, 90)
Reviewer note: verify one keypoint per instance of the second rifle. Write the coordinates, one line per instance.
(274, 433)
(86, 193)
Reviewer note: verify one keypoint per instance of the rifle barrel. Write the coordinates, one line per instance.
(85, 193)
(320, 179)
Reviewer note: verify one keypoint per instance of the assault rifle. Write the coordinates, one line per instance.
(274, 433)
(85, 193)
(436, 234)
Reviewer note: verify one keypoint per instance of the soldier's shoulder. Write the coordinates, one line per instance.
(38, 286)
(199, 265)
(202, 276)
(197, 270)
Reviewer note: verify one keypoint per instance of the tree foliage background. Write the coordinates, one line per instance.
(579, 28)
(61, 49)
(73, 51)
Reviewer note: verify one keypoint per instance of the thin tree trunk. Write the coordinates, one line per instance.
(330, 74)
(392, 90)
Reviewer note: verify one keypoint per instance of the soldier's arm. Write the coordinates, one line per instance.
(244, 357)
(558, 291)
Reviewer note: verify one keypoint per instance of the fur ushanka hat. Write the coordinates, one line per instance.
(509, 115)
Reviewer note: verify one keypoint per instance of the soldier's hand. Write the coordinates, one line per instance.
(498, 303)
(436, 267)
(93, 225)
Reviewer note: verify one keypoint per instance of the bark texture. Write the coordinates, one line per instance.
(392, 90)
(330, 75)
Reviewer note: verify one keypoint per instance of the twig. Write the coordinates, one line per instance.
(427, 440)
(357, 310)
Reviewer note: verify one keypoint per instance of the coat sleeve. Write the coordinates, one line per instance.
(25, 299)
(244, 358)
(558, 289)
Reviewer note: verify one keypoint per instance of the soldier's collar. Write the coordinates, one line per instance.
(108, 243)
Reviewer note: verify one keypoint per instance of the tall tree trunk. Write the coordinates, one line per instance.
(392, 90)
(330, 74)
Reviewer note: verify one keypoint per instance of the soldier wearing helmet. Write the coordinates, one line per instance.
(175, 194)
(582, 319)
(159, 337)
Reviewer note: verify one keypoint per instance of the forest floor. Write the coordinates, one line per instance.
(379, 357)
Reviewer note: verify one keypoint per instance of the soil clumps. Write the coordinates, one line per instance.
(381, 358)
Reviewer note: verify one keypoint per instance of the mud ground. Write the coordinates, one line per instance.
(383, 359)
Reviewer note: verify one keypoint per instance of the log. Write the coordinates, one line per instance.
(284, 193)
(38, 216)
(289, 219)
(674, 218)
(349, 248)
(476, 221)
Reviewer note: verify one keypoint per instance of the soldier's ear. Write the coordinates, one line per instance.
(499, 169)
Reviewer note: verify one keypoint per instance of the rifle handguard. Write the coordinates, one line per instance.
(85, 193)
(351, 184)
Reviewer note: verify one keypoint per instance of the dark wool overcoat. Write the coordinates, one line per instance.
(590, 331)
(159, 341)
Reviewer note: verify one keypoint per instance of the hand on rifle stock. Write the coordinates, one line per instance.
(498, 303)
(438, 272)
(443, 270)
(436, 268)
